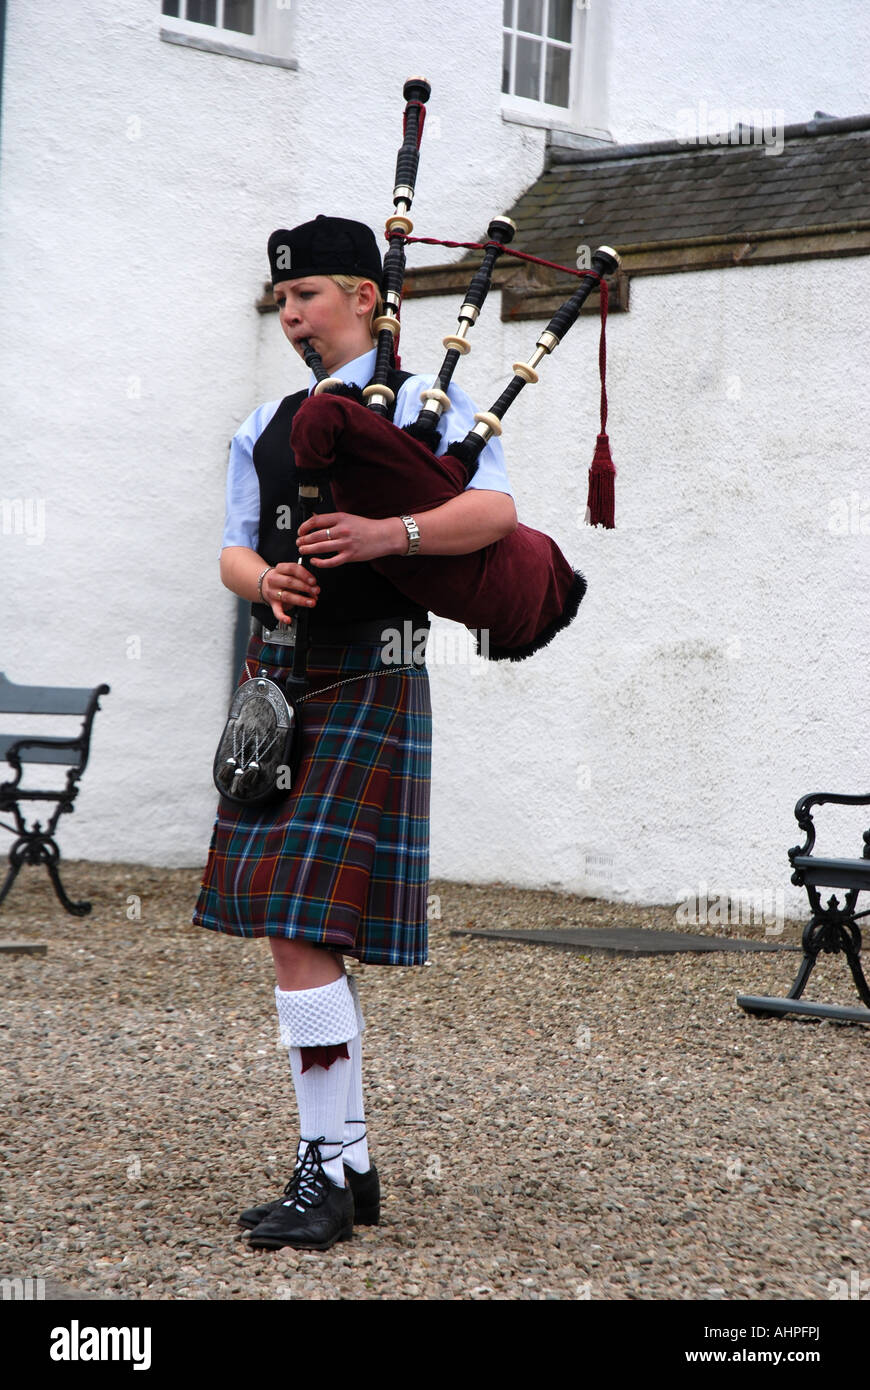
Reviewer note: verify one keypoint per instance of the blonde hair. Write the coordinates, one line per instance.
(349, 283)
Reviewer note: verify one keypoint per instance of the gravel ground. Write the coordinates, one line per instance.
(547, 1124)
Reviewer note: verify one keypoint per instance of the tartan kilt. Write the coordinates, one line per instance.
(342, 860)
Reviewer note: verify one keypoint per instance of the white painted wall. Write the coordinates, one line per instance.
(140, 182)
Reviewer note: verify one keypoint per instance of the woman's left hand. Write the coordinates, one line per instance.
(351, 538)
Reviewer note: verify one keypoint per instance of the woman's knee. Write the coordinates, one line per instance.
(302, 965)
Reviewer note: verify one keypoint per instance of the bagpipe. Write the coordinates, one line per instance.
(520, 590)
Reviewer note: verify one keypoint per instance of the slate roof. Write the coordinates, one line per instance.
(634, 196)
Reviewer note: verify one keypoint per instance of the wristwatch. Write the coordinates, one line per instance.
(413, 535)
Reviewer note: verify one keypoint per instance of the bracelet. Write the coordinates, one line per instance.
(413, 535)
(260, 582)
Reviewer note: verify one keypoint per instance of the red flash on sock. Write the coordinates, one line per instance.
(323, 1056)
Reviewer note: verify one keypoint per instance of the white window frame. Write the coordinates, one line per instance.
(271, 41)
(585, 111)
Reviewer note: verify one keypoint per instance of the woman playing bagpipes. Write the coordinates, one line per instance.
(338, 866)
(343, 531)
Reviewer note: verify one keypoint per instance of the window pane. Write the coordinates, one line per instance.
(170, 7)
(239, 16)
(558, 76)
(529, 16)
(559, 19)
(506, 63)
(202, 11)
(508, 14)
(528, 76)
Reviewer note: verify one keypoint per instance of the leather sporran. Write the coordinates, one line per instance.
(253, 762)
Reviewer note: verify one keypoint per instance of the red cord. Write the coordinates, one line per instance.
(551, 265)
(600, 500)
(602, 353)
(506, 250)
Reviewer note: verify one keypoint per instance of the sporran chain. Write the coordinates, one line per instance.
(364, 675)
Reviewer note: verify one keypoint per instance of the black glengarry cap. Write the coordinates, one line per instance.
(326, 246)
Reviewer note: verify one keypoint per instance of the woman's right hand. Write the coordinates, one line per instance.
(289, 585)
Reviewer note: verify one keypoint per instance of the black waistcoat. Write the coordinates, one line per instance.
(349, 593)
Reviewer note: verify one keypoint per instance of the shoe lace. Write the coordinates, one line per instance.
(309, 1184)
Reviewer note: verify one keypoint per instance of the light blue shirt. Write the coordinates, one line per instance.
(243, 487)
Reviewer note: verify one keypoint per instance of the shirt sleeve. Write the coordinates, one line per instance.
(242, 524)
(453, 425)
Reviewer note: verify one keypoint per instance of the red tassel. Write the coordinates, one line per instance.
(601, 502)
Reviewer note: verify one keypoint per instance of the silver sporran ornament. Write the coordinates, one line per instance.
(253, 759)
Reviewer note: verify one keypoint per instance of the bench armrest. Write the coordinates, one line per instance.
(804, 818)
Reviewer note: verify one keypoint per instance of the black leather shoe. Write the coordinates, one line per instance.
(314, 1214)
(366, 1189)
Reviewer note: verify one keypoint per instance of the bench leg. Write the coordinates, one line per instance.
(853, 956)
(14, 866)
(831, 928)
(35, 847)
(804, 973)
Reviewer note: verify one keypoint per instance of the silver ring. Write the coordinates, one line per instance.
(327, 533)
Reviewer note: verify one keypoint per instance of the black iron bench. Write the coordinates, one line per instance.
(35, 845)
(833, 926)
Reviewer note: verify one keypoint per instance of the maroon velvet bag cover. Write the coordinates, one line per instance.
(521, 589)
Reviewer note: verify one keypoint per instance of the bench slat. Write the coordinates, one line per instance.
(39, 699)
(833, 873)
(56, 754)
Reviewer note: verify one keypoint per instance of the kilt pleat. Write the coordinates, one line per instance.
(343, 859)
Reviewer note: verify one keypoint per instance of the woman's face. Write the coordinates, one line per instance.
(334, 322)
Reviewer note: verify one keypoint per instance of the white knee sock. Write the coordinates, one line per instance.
(356, 1149)
(321, 1094)
(317, 1018)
